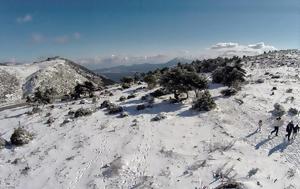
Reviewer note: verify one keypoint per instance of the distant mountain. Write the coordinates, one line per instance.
(117, 72)
(18, 81)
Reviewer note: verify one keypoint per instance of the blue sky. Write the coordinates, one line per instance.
(91, 29)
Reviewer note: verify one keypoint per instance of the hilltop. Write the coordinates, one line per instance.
(19, 81)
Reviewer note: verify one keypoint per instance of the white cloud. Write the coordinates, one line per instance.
(231, 49)
(261, 45)
(224, 45)
(37, 38)
(25, 18)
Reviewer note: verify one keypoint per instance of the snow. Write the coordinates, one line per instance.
(182, 151)
(53, 73)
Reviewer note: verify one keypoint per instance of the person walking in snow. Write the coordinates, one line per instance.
(295, 131)
(277, 123)
(259, 125)
(289, 129)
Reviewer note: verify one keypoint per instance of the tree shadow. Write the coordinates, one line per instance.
(280, 147)
(190, 113)
(132, 101)
(155, 108)
(13, 116)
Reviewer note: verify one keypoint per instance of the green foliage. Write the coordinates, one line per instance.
(40, 96)
(180, 81)
(82, 89)
(127, 80)
(230, 75)
(151, 80)
(204, 102)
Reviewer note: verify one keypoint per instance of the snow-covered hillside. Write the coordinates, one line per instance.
(18, 81)
(188, 149)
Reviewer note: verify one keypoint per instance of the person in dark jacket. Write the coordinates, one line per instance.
(289, 129)
(295, 131)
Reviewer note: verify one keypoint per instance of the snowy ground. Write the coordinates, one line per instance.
(182, 151)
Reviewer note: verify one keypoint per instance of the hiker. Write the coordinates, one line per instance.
(295, 131)
(259, 125)
(277, 123)
(289, 129)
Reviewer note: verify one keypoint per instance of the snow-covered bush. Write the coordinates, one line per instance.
(204, 102)
(293, 111)
(87, 88)
(126, 85)
(45, 97)
(113, 109)
(105, 104)
(159, 117)
(252, 172)
(278, 110)
(260, 81)
(124, 114)
(131, 96)
(127, 80)
(94, 100)
(231, 185)
(159, 92)
(50, 120)
(229, 92)
(34, 110)
(21, 136)
(122, 98)
(82, 112)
